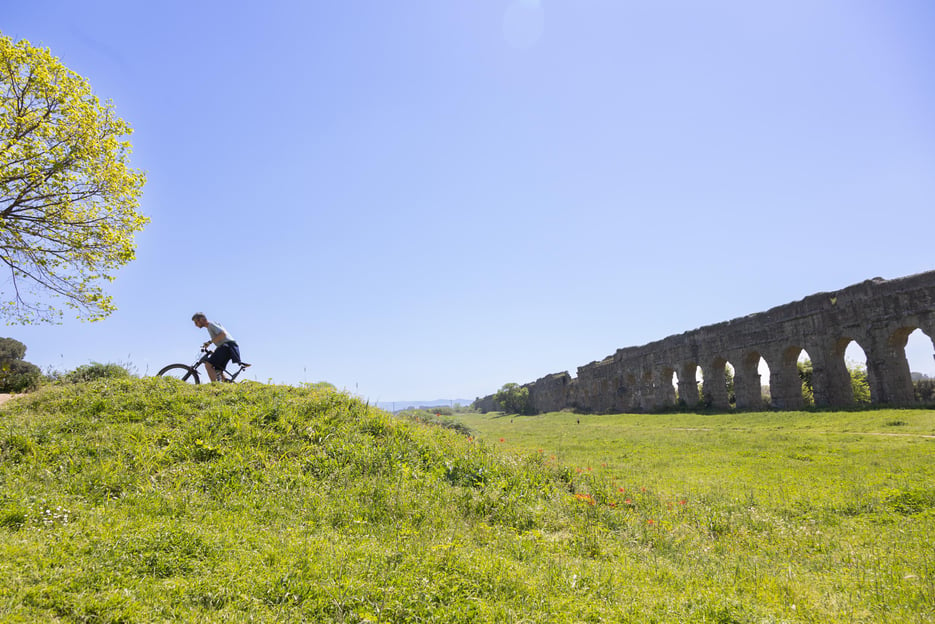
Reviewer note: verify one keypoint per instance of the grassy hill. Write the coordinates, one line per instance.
(145, 500)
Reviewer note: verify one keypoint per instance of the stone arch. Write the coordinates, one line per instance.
(647, 391)
(785, 385)
(665, 391)
(858, 361)
(688, 384)
(887, 367)
(924, 386)
(748, 388)
(730, 377)
(632, 398)
(919, 352)
(831, 379)
(927, 325)
(714, 387)
(898, 375)
(622, 395)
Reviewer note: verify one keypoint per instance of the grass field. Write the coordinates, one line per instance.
(142, 500)
(833, 513)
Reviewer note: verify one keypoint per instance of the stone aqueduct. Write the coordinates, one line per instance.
(879, 315)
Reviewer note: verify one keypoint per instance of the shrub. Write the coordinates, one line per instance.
(925, 391)
(96, 370)
(16, 375)
(513, 399)
(19, 376)
(860, 384)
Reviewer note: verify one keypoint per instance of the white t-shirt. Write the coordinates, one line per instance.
(216, 329)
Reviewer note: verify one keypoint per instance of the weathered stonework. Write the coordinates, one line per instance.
(877, 314)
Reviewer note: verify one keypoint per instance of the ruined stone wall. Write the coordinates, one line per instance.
(877, 314)
(486, 404)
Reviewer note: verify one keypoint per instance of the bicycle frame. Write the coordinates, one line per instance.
(191, 372)
(225, 375)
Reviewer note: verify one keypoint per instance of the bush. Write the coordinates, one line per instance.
(19, 376)
(925, 391)
(15, 374)
(513, 399)
(95, 370)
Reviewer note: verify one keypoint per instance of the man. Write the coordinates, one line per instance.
(226, 348)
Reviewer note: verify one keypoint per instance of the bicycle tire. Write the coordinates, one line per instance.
(182, 372)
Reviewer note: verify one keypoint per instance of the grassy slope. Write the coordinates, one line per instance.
(148, 500)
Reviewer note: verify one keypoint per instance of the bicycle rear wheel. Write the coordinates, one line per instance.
(180, 371)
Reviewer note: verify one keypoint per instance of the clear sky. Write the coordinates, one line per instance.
(426, 199)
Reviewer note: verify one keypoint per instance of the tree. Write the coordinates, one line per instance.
(806, 373)
(68, 199)
(11, 349)
(924, 390)
(860, 384)
(513, 398)
(15, 374)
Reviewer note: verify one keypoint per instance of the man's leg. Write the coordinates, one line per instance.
(212, 374)
(218, 361)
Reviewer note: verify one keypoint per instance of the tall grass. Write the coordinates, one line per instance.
(139, 500)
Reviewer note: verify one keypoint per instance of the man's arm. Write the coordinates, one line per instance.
(217, 339)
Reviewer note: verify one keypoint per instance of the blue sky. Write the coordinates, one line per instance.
(431, 198)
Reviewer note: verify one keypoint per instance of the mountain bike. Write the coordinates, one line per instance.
(190, 374)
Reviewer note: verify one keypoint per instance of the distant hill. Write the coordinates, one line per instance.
(395, 406)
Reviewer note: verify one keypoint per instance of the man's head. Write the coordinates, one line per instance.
(200, 319)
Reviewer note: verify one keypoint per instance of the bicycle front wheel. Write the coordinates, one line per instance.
(180, 371)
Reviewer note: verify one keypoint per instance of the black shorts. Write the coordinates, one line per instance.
(224, 354)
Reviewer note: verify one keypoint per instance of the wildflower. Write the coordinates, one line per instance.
(628, 501)
(651, 522)
(621, 490)
(585, 498)
(683, 502)
(502, 440)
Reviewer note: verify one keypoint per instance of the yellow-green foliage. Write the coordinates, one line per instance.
(68, 199)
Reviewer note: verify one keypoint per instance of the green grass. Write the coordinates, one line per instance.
(141, 500)
(831, 512)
